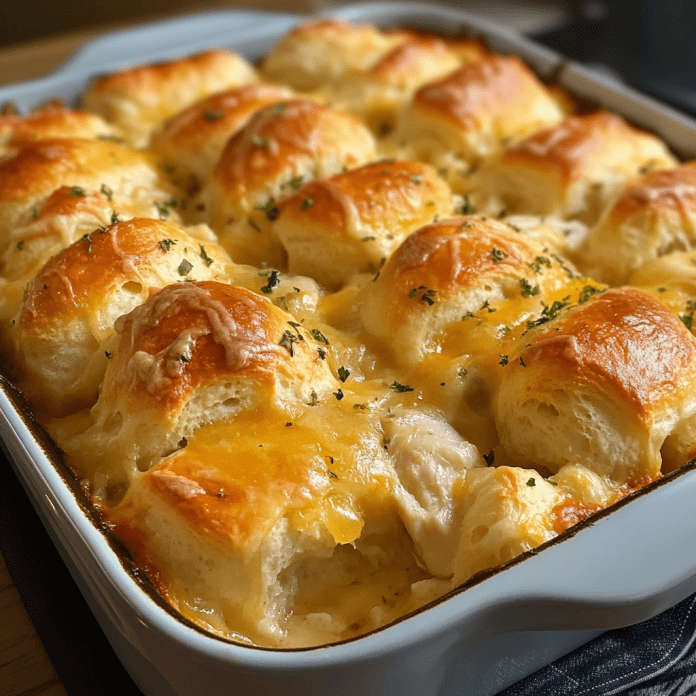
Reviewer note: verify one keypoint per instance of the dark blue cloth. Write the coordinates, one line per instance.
(654, 658)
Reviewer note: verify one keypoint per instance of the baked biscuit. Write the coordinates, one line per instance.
(281, 147)
(506, 511)
(357, 219)
(571, 170)
(378, 92)
(53, 120)
(603, 385)
(32, 171)
(190, 143)
(196, 353)
(654, 215)
(318, 53)
(450, 271)
(471, 114)
(138, 100)
(69, 309)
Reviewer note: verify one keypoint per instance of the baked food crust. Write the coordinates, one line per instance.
(365, 381)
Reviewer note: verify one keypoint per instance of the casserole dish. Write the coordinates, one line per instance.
(596, 580)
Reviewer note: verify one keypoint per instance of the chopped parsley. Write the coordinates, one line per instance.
(490, 458)
(587, 292)
(338, 394)
(360, 407)
(319, 336)
(296, 182)
(687, 320)
(20, 246)
(307, 203)
(77, 191)
(497, 255)
(213, 114)
(527, 289)
(288, 341)
(462, 373)
(88, 238)
(467, 208)
(166, 244)
(427, 297)
(273, 281)
(204, 256)
(253, 225)
(270, 209)
(114, 218)
(531, 482)
(185, 267)
(314, 401)
(106, 191)
(343, 373)
(400, 388)
(503, 360)
(321, 352)
(522, 362)
(540, 261)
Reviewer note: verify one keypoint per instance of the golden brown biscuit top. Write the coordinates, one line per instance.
(70, 200)
(52, 121)
(146, 84)
(572, 146)
(486, 87)
(375, 192)
(221, 112)
(280, 136)
(82, 274)
(623, 339)
(667, 189)
(450, 254)
(193, 333)
(40, 167)
(411, 63)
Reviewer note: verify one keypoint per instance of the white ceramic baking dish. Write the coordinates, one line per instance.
(623, 566)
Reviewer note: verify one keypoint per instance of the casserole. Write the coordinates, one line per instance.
(547, 590)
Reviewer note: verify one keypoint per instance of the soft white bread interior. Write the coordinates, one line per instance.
(595, 386)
